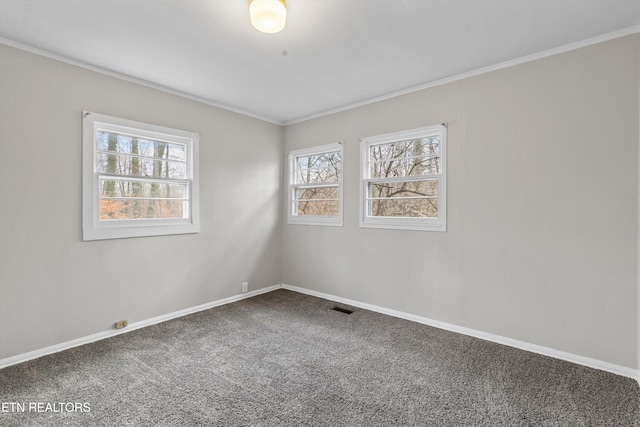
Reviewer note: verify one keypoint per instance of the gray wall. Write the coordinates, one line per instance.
(543, 220)
(542, 206)
(53, 286)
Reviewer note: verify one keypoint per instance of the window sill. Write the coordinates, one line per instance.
(332, 222)
(404, 225)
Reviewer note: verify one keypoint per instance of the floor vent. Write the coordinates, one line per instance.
(342, 310)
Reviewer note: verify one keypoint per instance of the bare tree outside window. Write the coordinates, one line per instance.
(405, 159)
(136, 180)
(318, 169)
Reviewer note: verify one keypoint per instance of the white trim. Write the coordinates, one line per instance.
(534, 348)
(332, 221)
(524, 59)
(569, 357)
(14, 360)
(438, 224)
(125, 77)
(506, 64)
(95, 229)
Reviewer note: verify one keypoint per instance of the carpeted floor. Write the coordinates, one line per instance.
(286, 359)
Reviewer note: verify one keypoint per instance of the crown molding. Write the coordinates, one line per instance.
(506, 64)
(131, 79)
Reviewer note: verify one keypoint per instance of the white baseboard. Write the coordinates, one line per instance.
(569, 357)
(132, 327)
(546, 351)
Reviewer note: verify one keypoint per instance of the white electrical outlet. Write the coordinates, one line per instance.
(245, 287)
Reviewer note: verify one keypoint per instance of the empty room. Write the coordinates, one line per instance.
(319, 212)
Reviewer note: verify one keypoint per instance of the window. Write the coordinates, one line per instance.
(404, 180)
(138, 179)
(315, 185)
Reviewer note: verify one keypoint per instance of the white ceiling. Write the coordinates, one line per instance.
(332, 53)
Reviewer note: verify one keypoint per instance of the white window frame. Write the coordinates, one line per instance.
(332, 220)
(403, 223)
(92, 227)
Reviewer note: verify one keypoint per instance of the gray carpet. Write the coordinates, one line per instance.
(286, 359)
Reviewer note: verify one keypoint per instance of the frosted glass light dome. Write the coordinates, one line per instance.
(268, 16)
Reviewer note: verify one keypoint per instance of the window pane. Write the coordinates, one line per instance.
(322, 208)
(429, 146)
(404, 189)
(308, 176)
(122, 188)
(116, 143)
(142, 209)
(413, 208)
(406, 167)
(317, 193)
(413, 157)
(120, 164)
(323, 160)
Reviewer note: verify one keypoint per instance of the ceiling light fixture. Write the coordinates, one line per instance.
(268, 16)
